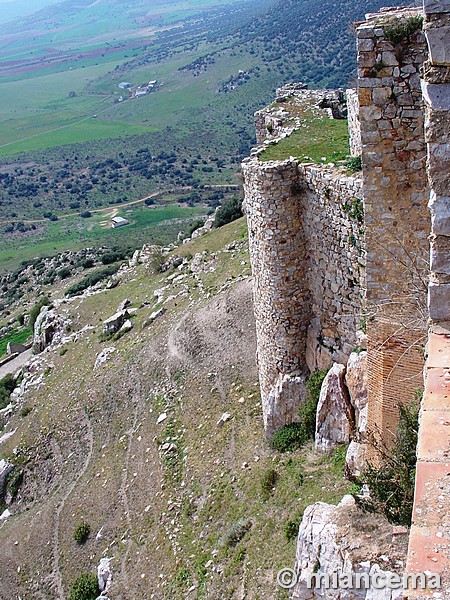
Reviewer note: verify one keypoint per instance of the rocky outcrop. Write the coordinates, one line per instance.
(104, 576)
(48, 328)
(119, 319)
(282, 403)
(357, 383)
(345, 540)
(335, 419)
(103, 357)
(5, 469)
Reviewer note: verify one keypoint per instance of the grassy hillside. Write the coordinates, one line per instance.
(184, 507)
(67, 140)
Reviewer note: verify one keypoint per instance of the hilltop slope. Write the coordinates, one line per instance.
(185, 507)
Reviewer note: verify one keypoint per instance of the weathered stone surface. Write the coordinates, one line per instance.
(437, 96)
(115, 322)
(439, 301)
(5, 469)
(127, 326)
(357, 382)
(223, 419)
(103, 357)
(154, 315)
(327, 542)
(355, 459)
(436, 6)
(440, 255)
(49, 327)
(104, 574)
(440, 214)
(438, 39)
(282, 403)
(335, 420)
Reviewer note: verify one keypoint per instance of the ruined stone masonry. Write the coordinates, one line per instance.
(308, 270)
(318, 270)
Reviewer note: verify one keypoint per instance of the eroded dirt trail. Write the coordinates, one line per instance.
(56, 572)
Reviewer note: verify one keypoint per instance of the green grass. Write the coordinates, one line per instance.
(147, 225)
(71, 132)
(18, 336)
(319, 140)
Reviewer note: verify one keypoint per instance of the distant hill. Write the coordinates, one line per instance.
(22, 8)
(310, 40)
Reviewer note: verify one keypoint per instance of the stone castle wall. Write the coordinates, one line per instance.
(354, 125)
(399, 122)
(436, 91)
(396, 214)
(305, 235)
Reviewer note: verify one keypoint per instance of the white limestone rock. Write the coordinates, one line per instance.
(355, 459)
(104, 356)
(104, 574)
(223, 419)
(335, 419)
(48, 328)
(115, 322)
(333, 539)
(357, 382)
(5, 469)
(127, 326)
(282, 404)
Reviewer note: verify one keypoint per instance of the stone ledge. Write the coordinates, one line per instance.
(436, 6)
(434, 436)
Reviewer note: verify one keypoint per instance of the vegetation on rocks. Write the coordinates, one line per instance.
(7, 385)
(392, 484)
(229, 211)
(81, 533)
(295, 435)
(85, 587)
(34, 312)
(92, 279)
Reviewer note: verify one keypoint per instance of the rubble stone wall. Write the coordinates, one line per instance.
(354, 126)
(308, 268)
(396, 213)
(436, 91)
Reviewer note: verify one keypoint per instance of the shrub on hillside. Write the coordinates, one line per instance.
(268, 483)
(113, 256)
(34, 312)
(81, 533)
(64, 273)
(87, 263)
(7, 385)
(85, 587)
(291, 528)
(289, 438)
(236, 532)
(229, 211)
(392, 484)
(91, 279)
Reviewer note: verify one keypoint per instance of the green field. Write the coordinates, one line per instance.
(156, 224)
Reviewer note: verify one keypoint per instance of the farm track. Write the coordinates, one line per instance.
(131, 203)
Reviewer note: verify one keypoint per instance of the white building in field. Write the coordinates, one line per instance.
(118, 222)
